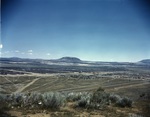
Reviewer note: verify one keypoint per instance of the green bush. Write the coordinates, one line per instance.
(16, 99)
(124, 102)
(85, 100)
(96, 100)
(3, 102)
(114, 98)
(99, 99)
(76, 96)
(52, 100)
(134, 115)
(73, 96)
(100, 89)
(33, 100)
(82, 102)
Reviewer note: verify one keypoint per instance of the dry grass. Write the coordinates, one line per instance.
(67, 83)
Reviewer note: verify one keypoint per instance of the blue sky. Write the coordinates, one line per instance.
(104, 30)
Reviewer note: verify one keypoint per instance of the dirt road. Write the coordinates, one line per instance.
(27, 85)
(127, 86)
(49, 83)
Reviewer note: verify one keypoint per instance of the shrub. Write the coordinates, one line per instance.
(15, 100)
(96, 100)
(2, 98)
(124, 102)
(3, 102)
(99, 100)
(52, 100)
(134, 115)
(32, 100)
(73, 96)
(114, 98)
(76, 96)
(85, 100)
(99, 97)
(82, 102)
(100, 89)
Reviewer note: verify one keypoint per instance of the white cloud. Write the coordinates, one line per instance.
(1, 46)
(17, 51)
(48, 54)
(30, 51)
(6, 52)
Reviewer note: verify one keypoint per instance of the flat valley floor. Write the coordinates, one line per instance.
(126, 80)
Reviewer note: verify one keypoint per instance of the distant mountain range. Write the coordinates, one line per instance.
(17, 59)
(145, 61)
(69, 60)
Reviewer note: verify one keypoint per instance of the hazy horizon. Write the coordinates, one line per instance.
(77, 58)
(92, 30)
